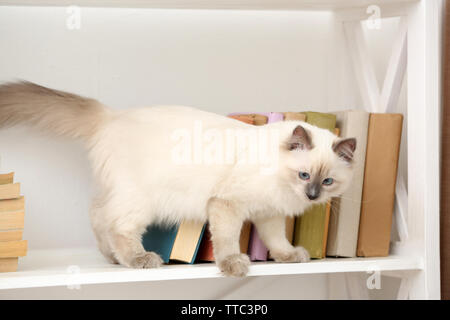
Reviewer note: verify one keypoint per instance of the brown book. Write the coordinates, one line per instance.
(9, 191)
(6, 178)
(8, 264)
(12, 205)
(245, 236)
(205, 252)
(243, 117)
(256, 119)
(383, 146)
(12, 249)
(11, 235)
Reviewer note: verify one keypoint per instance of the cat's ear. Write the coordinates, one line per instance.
(345, 148)
(300, 139)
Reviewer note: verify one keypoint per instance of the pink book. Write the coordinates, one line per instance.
(256, 248)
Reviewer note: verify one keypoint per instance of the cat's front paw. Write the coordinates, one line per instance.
(296, 254)
(235, 265)
(146, 261)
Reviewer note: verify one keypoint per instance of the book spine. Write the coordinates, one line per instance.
(9, 191)
(13, 249)
(160, 239)
(311, 229)
(345, 213)
(202, 234)
(9, 264)
(383, 147)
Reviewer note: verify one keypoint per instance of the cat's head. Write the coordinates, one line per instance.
(319, 164)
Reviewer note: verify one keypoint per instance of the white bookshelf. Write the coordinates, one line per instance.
(415, 259)
(65, 267)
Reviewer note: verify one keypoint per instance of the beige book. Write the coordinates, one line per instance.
(11, 235)
(298, 116)
(6, 178)
(378, 195)
(12, 205)
(9, 191)
(345, 211)
(187, 241)
(12, 220)
(12, 249)
(8, 264)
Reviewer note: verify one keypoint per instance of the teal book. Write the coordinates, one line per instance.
(160, 239)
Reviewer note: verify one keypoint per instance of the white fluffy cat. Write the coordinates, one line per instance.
(140, 181)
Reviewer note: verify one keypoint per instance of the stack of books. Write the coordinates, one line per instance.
(356, 224)
(12, 212)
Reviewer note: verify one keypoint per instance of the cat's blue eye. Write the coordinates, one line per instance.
(304, 175)
(328, 181)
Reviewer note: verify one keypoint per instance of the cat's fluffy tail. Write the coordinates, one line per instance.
(58, 112)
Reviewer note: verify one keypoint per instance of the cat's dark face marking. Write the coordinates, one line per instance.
(323, 166)
(319, 180)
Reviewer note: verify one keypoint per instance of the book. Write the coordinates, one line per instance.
(12, 205)
(8, 264)
(256, 248)
(160, 239)
(9, 191)
(11, 235)
(6, 178)
(187, 241)
(311, 228)
(345, 213)
(378, 194)
(294, 116)
(205, 251)
(12, 220)
(13, 249)
(12, 214)
(255, 119)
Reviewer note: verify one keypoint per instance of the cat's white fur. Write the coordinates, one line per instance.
(139, 183)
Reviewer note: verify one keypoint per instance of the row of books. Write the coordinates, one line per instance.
(356, 224)
(12, 214)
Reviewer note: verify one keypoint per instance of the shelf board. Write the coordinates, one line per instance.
(62, 267)
(214, 4)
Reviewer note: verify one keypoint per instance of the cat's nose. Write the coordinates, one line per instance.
(312, 196)
(312, 191)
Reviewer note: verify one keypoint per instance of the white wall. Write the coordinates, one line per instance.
(220, 61)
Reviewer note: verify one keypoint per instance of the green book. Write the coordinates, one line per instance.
(311, 229)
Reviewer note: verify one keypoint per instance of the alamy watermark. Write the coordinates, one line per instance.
(214, 146)
(73, 278)
(73, 20)
(374, 279)
(374, 20)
